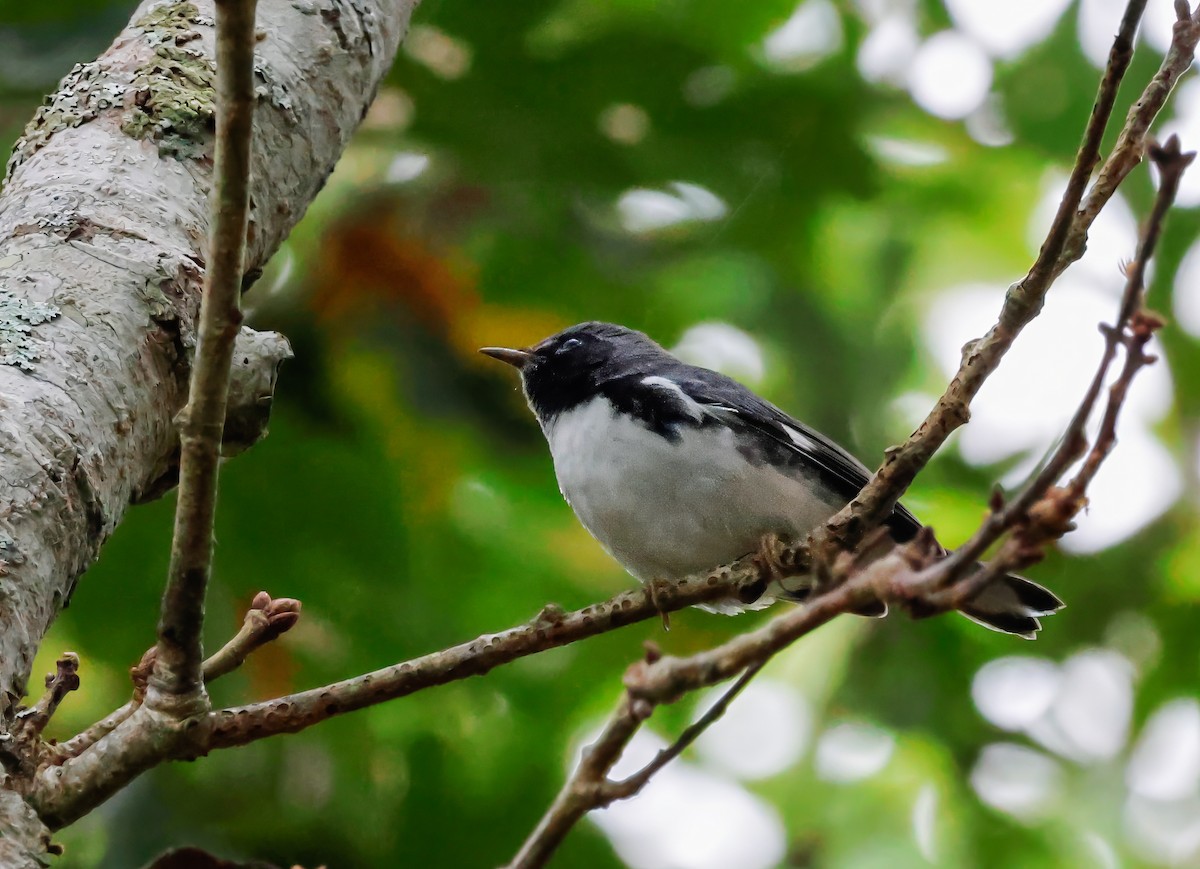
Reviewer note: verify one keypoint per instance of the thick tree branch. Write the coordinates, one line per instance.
(1063, 245)
(101, 221)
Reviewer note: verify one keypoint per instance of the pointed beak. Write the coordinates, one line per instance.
(516, 358)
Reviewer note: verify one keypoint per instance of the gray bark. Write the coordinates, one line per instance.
(102, 223)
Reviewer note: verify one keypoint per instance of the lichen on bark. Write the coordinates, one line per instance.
(174, 98)
(84, 92)
(18, 316)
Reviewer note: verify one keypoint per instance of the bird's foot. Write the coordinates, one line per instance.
(774, 558)
(654, 589)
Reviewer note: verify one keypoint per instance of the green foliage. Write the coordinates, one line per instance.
(406, 497)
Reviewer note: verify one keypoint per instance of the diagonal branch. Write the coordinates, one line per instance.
(1132, 330)
(134, 738)
(589, 786)
(178, 683)
(1064, 244)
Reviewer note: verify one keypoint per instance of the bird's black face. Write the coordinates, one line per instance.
(567, 369)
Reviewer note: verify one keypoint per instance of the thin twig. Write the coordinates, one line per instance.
(1053, 509)
(550, 629)
(1064, 244)
(583, 791)
(61, 682)
(177, 684)
(589, 786)
(265, 620)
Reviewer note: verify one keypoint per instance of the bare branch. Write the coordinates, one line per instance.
(550, 629)
(178, 683)
(1064, 244)
(61, 682)
(265, 620)
(912, 574)
(589, 786)
(129, 741)
(584, 790)
(1041, 513)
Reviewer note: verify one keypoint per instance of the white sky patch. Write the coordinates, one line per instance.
(1166, 760)
(722, 825)
(762, 734)
(887, 51)
(406, 166)
(924, 822)
(643, 210)
(1098, 23)
(905, 152)
(1186, 297)
(1157, 25)
(1099, 20)
(950, 75)
(853, 751)
(987, 124)
(1166, 834)
(1138, 483)
(1089, 719)
(1024, 407)
(1006, 29)
(1017, 780)
(812, 33)
(1015, 691)
(723, 348)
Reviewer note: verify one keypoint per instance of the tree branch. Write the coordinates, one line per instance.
(61, 682)
(103, 258)
(589, 786)
(914, 574)
(1063, 245)
(177, 683)
(1132, 329)
(266, 620)
(125, 743)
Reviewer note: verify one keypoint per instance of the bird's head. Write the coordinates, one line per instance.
(567, 368)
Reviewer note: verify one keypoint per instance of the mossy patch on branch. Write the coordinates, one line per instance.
(174, 100)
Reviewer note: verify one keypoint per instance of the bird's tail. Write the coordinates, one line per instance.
(1013, 605)
(1010, 604)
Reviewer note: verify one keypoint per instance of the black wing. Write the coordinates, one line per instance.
(792, 439)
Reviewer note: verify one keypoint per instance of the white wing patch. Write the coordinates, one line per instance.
(691, 407)
(801, 440)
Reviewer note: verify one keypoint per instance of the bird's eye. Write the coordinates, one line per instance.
(568, 345)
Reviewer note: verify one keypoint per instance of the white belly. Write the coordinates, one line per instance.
(666, 510)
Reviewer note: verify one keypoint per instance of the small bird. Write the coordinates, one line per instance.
(676, 469)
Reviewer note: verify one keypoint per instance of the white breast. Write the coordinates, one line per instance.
(666, 510)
